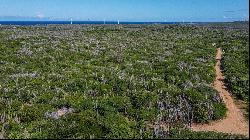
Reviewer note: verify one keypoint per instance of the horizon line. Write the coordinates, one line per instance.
(113, 21)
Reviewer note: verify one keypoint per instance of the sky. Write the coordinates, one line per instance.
(126, 10)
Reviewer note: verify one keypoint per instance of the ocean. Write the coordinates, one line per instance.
(77, 22)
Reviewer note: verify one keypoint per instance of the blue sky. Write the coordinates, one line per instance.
(125, 10)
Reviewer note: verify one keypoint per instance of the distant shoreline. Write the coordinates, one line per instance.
(94, 22)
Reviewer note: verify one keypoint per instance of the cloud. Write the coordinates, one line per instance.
(233, 11)
(243, 10)
(230, 11)
(40, 16)
(226, 17)
(23, 18)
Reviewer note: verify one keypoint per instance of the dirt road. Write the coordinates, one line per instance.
(234, 122)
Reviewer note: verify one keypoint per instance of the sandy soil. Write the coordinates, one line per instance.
(234, 122)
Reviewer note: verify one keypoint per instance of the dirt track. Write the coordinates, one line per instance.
(234, 122)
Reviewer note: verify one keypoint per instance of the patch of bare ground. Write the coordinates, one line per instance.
(234, 122)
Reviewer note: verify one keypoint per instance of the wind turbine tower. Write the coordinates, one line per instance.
(118, 22)
(71, 22)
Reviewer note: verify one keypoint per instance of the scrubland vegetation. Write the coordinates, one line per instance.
(117, 81)
(235, 64)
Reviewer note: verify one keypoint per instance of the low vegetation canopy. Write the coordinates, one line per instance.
(117, 81)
